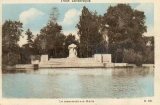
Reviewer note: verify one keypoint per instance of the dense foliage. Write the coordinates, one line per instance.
(11, 32)
(89, 34)
(126, 27)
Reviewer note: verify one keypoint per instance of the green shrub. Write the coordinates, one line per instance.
(10, 59)
(130, 56)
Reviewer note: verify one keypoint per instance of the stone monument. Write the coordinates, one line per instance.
(72, 51)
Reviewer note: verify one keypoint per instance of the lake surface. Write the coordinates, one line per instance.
(79, 83)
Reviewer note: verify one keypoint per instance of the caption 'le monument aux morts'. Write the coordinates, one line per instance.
(75, 0)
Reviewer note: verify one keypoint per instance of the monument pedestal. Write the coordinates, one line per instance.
(44, 58)
(72, 56)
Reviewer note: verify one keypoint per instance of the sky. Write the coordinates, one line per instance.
(36, 16)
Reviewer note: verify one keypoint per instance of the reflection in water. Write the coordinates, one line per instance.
(79, 83)
(131, 72)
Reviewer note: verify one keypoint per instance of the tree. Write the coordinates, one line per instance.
(54, 15)
(50, 40)
(126, 27)
(27, 49)
(29, 38)
(70, 39)
(90, 36)
(11, 32)
(148, 55)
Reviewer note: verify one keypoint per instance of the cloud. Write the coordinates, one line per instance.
(71, 17)
(23, 39)
(69, 22)
(67, 32)
(30, 15)
(34, 20)
(146, 7)
(150, 33)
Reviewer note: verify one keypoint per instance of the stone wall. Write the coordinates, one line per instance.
(23, 66)
(147, 65)
(98, 57)
(106, 58)
(44, 58)
(120, 64)
(103, 58)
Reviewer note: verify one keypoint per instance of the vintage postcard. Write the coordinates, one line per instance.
(62, 52)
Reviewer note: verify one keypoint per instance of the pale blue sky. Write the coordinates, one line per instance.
(35, 16)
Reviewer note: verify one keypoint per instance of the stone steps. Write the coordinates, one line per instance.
(71, 62)
(77, 60)
(70, 59)
(71, 65)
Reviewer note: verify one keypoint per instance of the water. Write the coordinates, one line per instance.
(79, 83)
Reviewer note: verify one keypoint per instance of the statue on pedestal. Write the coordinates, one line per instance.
(72, 51)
